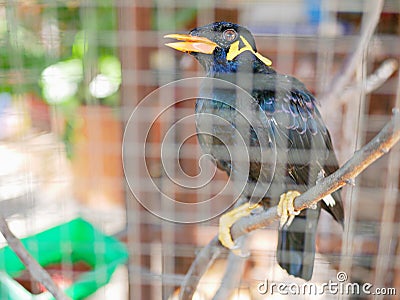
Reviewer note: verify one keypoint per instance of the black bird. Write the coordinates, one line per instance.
(293, 127)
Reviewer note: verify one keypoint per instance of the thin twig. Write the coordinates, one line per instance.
(200, 265)
(204, 259)
(378, 146)
(233, 273)
(370, 21)
(381, 74)
(30, 263)
(373, 82)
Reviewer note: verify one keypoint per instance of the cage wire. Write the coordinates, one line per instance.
(77, 75)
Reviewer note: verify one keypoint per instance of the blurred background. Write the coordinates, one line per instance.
(72, 72)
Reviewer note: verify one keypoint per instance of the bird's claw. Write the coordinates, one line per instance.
(238, 249)
(227, 220)
(286, 209)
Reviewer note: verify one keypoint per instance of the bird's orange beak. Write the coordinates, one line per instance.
(191, 43)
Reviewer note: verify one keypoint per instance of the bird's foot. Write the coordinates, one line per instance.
(286, 209)
(227, 220)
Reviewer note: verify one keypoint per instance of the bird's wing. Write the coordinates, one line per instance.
(302, 139)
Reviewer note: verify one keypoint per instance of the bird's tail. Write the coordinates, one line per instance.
(296, 244)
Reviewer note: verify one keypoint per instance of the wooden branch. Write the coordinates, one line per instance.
(200, 265)
(233, 273)
(378, 146)
(380, 75)
(369, 22)
(372, 82)
(202, 262)
(30, 263)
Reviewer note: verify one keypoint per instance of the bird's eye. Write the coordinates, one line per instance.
(230, 35)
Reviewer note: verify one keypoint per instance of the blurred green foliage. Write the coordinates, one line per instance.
(20, 52)
(56, 50)
(84, 32)
(66, 52)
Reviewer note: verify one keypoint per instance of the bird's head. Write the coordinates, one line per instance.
(219, 46)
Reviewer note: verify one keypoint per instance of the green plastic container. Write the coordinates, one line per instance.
(69, 243)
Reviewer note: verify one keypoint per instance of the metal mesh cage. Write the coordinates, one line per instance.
(97, 121)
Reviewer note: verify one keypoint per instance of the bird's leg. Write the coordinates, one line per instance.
(286, 209)
(227, 220)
